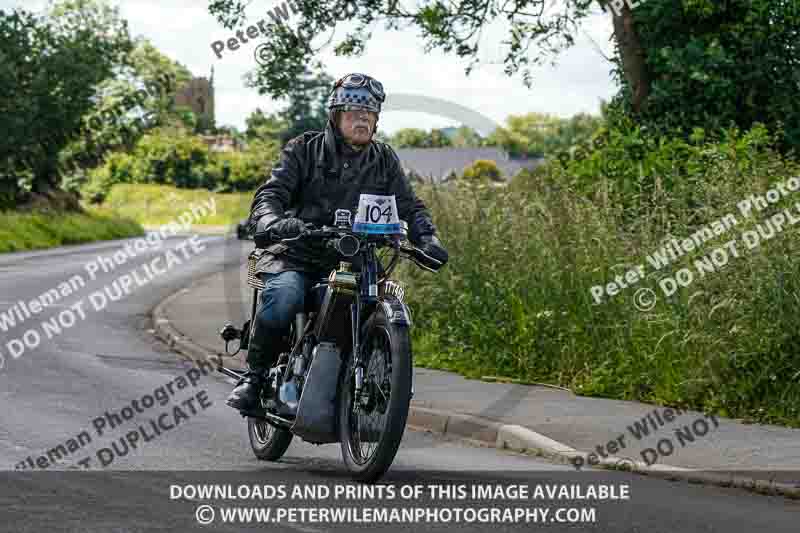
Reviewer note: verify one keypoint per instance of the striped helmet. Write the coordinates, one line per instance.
(357, 90)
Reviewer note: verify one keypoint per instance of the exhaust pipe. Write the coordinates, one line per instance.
(230, 373)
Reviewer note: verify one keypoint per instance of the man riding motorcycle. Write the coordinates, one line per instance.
(318, 173)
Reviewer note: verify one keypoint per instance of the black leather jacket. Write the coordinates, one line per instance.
(318, 174)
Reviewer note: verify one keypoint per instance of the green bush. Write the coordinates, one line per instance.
(185, 161)
(516, 300)
(645, 172)
(482, 169)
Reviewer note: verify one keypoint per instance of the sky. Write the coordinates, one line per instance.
(184, 31)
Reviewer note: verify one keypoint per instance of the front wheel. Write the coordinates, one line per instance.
(371, 425)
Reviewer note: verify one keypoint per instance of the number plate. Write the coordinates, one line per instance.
(377, 214)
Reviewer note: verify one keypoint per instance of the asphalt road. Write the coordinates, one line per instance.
(74, 385)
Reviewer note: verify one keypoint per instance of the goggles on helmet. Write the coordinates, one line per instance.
(354, 81)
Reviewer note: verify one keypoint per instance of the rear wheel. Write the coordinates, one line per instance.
(371, 425)
(268, 442)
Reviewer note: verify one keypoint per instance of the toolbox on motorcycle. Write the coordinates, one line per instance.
(316, 414)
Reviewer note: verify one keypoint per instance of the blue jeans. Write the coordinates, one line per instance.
(281, 299)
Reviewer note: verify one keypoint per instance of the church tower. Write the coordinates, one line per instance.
(198, 95)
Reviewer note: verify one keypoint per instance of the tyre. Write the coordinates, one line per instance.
(372, 425)
(268, 442)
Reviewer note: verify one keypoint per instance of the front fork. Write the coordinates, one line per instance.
(355, 319)
(368, 294)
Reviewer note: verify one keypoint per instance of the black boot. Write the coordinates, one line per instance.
(245, 396)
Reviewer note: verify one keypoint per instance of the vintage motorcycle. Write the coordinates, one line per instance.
(347, 376)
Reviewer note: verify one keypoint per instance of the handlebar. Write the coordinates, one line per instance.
(397, 241)
(325, 232)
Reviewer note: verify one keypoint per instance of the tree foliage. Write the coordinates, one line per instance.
(719, 64)
(265, 126)
(537, 134)
(535, 25)
(680, 63)
(466, 137)
(418, 138)
(307, 102)
(143, 88)
(49, 68)
(171, 156)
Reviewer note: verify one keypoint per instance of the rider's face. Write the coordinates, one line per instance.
(357, 126)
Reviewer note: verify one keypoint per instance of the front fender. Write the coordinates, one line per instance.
(396, 311)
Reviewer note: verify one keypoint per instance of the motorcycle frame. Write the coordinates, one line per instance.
(365, 301)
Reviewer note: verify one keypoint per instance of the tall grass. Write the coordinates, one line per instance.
(515, 299)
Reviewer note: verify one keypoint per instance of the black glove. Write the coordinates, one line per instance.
(287, 228)
(282, 229)
(432, 247)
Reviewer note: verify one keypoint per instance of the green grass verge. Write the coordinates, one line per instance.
(152, 205)
(37, 230)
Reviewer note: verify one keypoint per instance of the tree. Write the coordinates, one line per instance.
(691, 62)
(417, 138)
(265, 127)
(466, 137)
(409, 138)
(437, 139)
(143, 87)
(536, 134)
(307, 107)
(713, 64)
(524, 134)
(49, 67)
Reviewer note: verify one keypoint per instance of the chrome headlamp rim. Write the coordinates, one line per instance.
(348, 245)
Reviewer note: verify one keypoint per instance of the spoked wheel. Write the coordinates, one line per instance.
(371, 424)
(268, 442)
